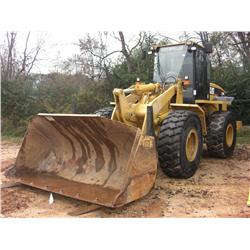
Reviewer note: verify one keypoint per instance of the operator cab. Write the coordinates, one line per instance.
(187, 61)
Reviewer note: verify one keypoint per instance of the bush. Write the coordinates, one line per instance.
(11, 131)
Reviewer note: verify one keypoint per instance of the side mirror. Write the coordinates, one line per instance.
(146, 53)
(208, 48)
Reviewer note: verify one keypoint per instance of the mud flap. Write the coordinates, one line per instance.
(86, 157)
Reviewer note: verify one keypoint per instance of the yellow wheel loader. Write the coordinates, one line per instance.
(111, 158)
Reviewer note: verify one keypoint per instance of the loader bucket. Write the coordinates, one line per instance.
(86, 157)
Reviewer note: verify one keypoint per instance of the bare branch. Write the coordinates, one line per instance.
(140, 40)
(18, 63)
(34, 60)
(125, 51)
(24, 60)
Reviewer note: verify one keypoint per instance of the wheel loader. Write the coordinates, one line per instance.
(110, 158)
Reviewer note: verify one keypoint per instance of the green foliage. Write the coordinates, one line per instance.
(229, 71)
(55, 92)
(18, 106)
(52, 93)
(142, 67)
(91, 99)
(9, 130)
(243, 136)
(237, 84)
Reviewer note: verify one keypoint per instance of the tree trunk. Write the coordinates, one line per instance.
(125, 52)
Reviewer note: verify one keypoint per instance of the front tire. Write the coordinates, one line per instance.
(105, 112)
(180, 144)
(221, 135)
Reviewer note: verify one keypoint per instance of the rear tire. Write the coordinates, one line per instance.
(180, 144)
(221, 135)
(105, 112)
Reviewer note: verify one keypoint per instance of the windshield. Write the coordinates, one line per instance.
(168, 63)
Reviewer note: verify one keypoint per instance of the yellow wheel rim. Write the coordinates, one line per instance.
(229, 135)
(192, 144)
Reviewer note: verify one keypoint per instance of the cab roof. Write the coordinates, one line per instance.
(188, 43)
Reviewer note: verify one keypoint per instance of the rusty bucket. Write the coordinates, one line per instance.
(86, 157)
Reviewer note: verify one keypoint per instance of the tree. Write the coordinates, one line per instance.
(126, 50)
(14, 63)
(241, 42)
(94, 55)
(140, 63)
(18, 93)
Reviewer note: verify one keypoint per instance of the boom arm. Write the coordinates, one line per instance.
(132, 109)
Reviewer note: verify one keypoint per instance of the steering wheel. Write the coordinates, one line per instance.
(174, 77)
(170, 75)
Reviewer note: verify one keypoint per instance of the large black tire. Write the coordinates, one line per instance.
(217, 143)
(105, 112)
(172, 150)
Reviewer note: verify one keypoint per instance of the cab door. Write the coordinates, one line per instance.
(201, 81)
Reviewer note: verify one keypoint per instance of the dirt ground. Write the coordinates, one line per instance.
(218, 189)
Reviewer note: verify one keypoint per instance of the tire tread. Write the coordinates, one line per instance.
(169, 143)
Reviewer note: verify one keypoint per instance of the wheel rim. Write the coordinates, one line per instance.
(192, 144)
(229, 135)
